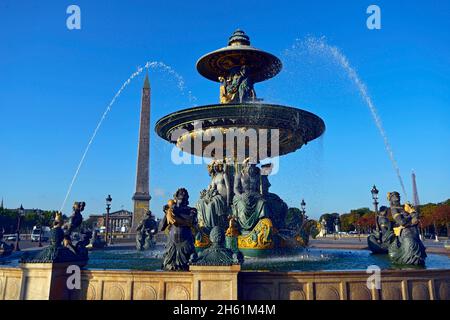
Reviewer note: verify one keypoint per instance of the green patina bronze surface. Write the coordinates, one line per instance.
(217, 254)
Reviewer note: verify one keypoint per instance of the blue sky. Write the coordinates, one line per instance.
(55, 84)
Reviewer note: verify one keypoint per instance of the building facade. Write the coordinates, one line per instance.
(119, 221)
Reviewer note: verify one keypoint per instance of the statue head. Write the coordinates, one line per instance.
(384, 211)
(218, 166)
(216, 236)
(149, 214)
(78, 206)
(394, 198)
(211, 168)
(181, 197)
(58, 219)
(266, 169)
(254, 171)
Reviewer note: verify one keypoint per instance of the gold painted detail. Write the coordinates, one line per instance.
(296, 241)
(232, 230)
(300, 241)
(259, 238)
(204, 242)
(398, 230)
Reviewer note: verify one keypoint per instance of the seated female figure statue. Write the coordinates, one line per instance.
(407, 248)
(212, 207)
(249, 205)
(277, 206)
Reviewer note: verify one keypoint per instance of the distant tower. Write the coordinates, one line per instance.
(1, 204)
(142, 197)
(415, 193)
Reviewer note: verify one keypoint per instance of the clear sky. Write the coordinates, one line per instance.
(55, 84)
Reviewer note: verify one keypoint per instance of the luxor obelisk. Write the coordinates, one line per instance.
(141, 196)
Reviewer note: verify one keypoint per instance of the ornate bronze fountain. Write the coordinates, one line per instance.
(237, 134)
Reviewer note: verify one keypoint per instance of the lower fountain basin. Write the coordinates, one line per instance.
(315, 274)
(304, 260)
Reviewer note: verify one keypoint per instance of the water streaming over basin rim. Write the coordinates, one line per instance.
(305, 260)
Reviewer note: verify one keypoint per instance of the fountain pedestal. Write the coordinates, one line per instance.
(215, 282)
(46, 281)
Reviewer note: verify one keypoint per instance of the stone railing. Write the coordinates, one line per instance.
(47, 281)
(345, 285)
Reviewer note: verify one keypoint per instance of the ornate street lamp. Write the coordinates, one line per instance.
(19, 218)
(374, 192)
(108, 207)
(303, 206)
(303, 209)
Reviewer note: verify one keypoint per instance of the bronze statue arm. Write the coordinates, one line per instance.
(401, 219)
(227, 186)
(164, 222)
(237, 182)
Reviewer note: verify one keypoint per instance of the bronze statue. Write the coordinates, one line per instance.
(74, 222)
(275, 204)
(179, 220)
(246, 90)
(225, 97)
(5, 249)
(96, 242)
(380, 240)
(213, 205)
(217, 254)
(61, 248)
(407, 247)
(145, 232)
(249, 205)
(237, 87)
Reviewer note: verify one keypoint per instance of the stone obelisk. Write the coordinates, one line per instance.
(141, 196)
(416, 201)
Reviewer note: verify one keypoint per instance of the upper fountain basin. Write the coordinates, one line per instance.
(294, 127)
(261, 65)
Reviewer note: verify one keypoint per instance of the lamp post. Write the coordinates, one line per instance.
(19, 218)
(374, 192)
(303, 206)
(303, 211)
(108, 207)
(40, 228)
